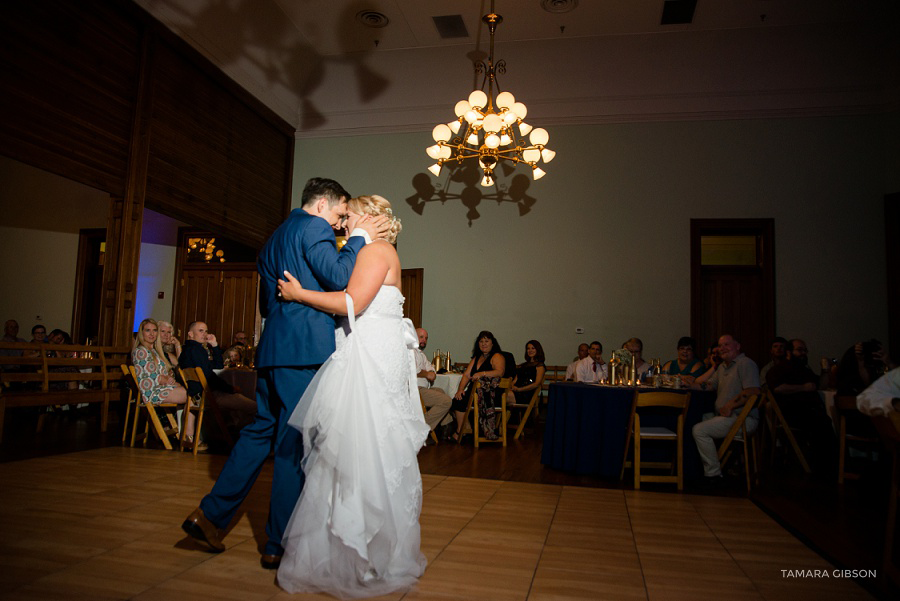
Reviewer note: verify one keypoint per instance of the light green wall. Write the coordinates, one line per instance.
(606, 244)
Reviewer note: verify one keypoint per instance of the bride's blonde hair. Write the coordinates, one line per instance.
(376, 205)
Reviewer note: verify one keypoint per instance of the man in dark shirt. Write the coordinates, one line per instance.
(793, 385)
(202, 350)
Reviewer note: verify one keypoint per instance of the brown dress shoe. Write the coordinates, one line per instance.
(270, 562)
(201, 529)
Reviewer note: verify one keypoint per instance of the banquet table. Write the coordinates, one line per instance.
(586, 428)
(447, 382)
(242, 378)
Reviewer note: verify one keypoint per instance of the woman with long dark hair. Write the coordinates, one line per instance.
(530, 374)
(488, 365)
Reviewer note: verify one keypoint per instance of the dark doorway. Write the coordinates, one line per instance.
(733, 282)
(88, 285)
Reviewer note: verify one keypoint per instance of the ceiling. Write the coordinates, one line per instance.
(299, 56)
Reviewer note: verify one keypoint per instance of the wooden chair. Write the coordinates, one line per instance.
(846, 407)
(471, 405)
(777, 424)
(134, 396)
(168, 409)
(201, 404)
(739, 433)
(637, 433)
(529, 407)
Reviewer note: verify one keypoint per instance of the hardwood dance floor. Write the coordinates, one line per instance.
(105, 524)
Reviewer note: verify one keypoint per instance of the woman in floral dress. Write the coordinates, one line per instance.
(153, 379)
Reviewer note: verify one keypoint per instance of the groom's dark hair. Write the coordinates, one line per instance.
(320, 187)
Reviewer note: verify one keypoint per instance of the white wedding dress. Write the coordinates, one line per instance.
(355, 530)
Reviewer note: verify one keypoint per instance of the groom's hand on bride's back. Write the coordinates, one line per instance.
(376, 226)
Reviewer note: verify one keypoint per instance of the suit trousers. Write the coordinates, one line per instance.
(712, 428)
(278, 390)
(437, 403)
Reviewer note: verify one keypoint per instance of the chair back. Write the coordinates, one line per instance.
(130, 378)
(194, 374)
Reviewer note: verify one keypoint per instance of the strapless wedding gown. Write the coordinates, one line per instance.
(355, 530)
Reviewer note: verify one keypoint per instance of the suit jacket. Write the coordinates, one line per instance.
(193, 354)
(296, 334)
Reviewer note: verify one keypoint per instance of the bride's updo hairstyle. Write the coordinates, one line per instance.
(376, 205)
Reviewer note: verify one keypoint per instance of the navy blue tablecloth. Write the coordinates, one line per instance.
(586, 427)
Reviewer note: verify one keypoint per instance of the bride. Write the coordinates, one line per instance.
(355, 530)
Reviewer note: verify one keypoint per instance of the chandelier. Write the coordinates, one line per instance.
(493, 127)
(204, 249)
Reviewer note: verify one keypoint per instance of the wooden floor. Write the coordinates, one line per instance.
(105, 524)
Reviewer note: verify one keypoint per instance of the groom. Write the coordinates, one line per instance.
(295, 342)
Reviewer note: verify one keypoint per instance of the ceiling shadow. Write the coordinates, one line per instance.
(462, 185)
(243, 33)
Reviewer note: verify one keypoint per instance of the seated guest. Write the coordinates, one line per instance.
(232, 356)
(153, 379)
(488, 365)
(735, 381)
(530, 374)
(11, 334)
(687, 365)
(240, 339)
(636, 347)
(793, 384)
(582, 353)
(882, 397)
(592, 368)
(437, 403)
(202, 350)
(59, 337)
(861, 364)
(777, 354)
(39, 334)
(712, 359)
(171, 346)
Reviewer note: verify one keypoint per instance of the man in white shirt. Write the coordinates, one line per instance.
(591, 368)
(582, 353)
(435, 400)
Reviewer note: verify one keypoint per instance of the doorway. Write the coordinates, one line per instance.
(88, 285)
(733, 283)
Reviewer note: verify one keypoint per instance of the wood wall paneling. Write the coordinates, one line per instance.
(68, 82)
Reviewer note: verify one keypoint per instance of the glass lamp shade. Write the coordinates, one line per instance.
(524, 128)
(538, 173)
(472, 116)
(492, 123)
(478, 99)
(433, 151)
(505, 140)
(454, 126)
(505, 100)
(532, 155)
(435, 169)
(487, 182)
(509, 117)
(441, 133)
(539, 136)
(462, 107)
(444, 152)
(472, 140)
(491, 141)
(519, 109)
(547, 155)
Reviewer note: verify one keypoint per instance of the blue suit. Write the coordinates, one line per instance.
(295, 342)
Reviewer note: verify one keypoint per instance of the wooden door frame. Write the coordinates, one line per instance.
(85, 236)
(765, 253)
